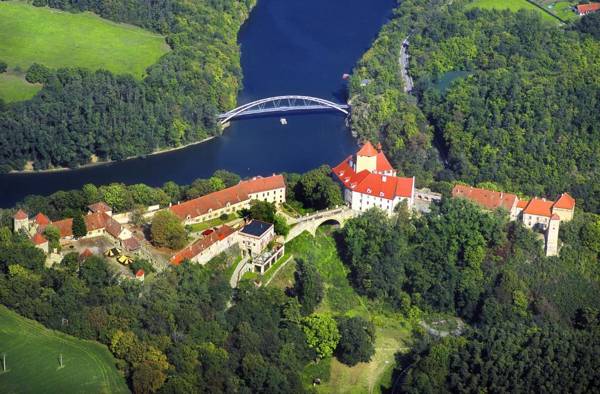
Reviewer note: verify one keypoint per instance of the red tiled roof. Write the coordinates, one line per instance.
(113, 227)
(100, 206)
(583, 9)
(42, 219)
(565, 201)
(259, 184)
(488, 199)
(65, 227)
(232, 195)
(522, 204)
(197, 247)
(95, 221)
(38, 239)
(539, 207)
(367, 150)
(131, 244)
(373, 184)
(382, 163)
(20, 215)
(139, 273)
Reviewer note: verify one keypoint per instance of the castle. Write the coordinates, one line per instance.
(369, 180)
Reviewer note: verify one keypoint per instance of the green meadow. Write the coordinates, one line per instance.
(56, 39)
(33, 360)
(512, 5)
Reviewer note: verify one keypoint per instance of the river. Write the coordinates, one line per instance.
(288, 47)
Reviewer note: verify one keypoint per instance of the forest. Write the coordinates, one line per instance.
(82, 114)
(502, 96)
(533, 321)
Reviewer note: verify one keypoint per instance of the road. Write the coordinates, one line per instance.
(237, 274)
(408, 82)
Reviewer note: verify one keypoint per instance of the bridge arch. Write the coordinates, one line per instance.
(282, 104)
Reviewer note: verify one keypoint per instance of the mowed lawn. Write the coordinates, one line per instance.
(56, 39)
(512, 5)
(32, 360)
(393, 332)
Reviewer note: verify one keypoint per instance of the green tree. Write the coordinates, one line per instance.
(3, 66)
(357, 337)
(228, 178)
(316, 189)
(52, 234)
(37, 73)
(79, 227)
(309, 286)
(167, 230)
(322, 333)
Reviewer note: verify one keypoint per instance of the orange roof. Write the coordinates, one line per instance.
(139, 273)
(85, 254)
(232, 195)
(382, 163)
(488, 199)
(365, 182)
(259, 184)
(20, 215)
(200, 245)
(583, 9)
(522, 204)
(99, 206)
(65, 227)
(565, 201)
(101, 220)
(42, 219)
(367, 150)
(539, 207)
(39, 239)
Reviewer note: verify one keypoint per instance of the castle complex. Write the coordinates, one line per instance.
(537, 213)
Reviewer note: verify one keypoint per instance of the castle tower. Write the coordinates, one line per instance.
(366, 158)
(552, 236)
(20, 221)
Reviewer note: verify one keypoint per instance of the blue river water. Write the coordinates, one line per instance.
(288, 47)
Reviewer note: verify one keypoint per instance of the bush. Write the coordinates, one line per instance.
(3, 66)
(37, 73)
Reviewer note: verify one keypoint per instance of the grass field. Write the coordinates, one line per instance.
(563, 10)
(14, 88)
(512, 5)
(59, 39)
(32, 360)
(393, 332)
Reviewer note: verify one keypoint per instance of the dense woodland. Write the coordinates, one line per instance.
(83, 113)
(505, 97)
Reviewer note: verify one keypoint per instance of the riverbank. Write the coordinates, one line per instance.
(104, 163)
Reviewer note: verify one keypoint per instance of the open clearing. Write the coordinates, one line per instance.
(393, 331)
(56, 39)
(32, 360)
(512, 5)
(14, 88)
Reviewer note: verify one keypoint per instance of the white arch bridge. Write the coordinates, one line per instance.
(281, 104)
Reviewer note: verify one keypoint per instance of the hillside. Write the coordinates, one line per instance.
(32, 360)
(83, 113)
(56, 39)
